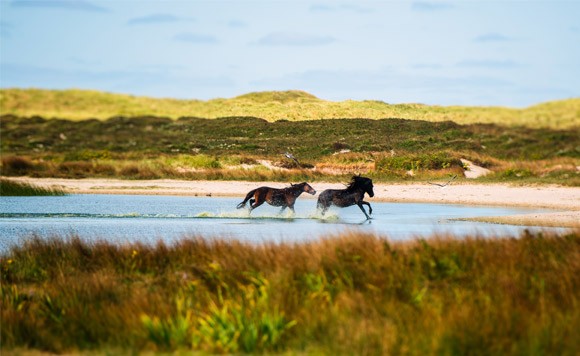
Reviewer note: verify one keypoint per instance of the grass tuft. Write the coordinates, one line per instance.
(12, 188)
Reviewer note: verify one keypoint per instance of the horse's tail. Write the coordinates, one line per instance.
(248, 196)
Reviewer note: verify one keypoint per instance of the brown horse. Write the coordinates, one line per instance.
(353, 194)
(285, 197)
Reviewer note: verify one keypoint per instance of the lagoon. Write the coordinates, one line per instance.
(148, 219)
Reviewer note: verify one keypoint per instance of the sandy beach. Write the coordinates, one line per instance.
(563, 202)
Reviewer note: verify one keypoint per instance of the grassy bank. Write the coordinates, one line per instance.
(234, 149)
(272, 106)
(350, 294)
(12, 188)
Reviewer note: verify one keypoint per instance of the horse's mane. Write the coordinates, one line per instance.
(356, 182)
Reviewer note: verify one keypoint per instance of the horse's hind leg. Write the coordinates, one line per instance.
(257, 200)
(255, 203)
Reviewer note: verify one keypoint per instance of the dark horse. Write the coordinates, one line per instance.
(285, 197)
(353, 194)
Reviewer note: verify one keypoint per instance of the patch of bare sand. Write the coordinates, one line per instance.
(556, 219)
(565, 199)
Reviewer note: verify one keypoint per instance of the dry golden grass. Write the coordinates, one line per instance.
(351, 293)
(272, 106)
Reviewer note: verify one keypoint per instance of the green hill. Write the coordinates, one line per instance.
(279, 96)
(272, 106)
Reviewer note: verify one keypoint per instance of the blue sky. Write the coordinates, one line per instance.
(508, 53)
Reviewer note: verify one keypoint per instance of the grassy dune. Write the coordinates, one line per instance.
(350, 294)
(232, 148)
(272, 106)
(137, 137)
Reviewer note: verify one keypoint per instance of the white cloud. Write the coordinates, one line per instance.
(343, 7)
(156, 19)
(79, 5)
(396, 87)
(492, 37)
(427, 66)
(294, 39)
(376, 79)
(153, 81)
(195, 38)
(487, 63)
(429, 6)
(236, 24)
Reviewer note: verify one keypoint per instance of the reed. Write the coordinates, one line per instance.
(344, 294)
(12, 188)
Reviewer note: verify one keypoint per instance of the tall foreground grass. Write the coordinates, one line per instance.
(348, 294)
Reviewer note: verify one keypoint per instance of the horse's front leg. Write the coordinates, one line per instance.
(360, 205)
(321, 206)
(282, 210)
(369, 205)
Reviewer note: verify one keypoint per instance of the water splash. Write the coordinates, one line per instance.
(92, 216)
(240, 214)
(245, 214)
(328, 217)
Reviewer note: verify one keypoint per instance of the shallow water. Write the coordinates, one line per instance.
(129, 218)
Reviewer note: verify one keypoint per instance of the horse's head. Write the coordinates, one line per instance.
(364, 183)
(305, 188)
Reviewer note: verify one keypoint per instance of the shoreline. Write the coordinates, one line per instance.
(566, 200)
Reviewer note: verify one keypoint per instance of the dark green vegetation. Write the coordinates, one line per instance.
(12, 188)
(350, 294)
(195, 148)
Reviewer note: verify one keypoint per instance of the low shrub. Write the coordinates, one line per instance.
(87, 155)
(137, 171)
(197, 161)
(518, 173)
(16, 166)
(417, 162)
(75, 169)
